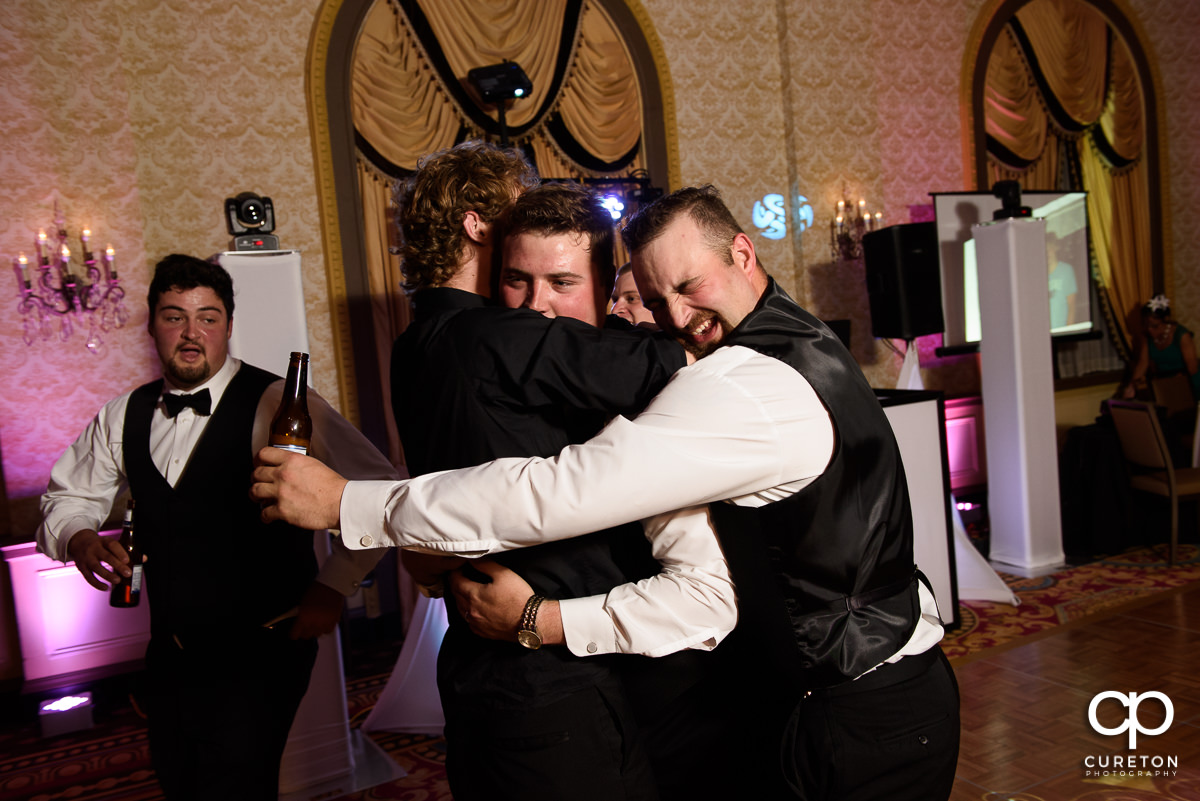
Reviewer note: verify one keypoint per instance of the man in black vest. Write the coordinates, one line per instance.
(778, 430)
(471, 382)
(222, 689)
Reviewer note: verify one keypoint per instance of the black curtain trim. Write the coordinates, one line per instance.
(1057, 112)
(1004, 155)
(482, 120)
(377, 160)
(387, 167)
(1115, 159)
(558, 131)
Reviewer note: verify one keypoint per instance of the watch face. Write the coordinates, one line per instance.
(530, 639)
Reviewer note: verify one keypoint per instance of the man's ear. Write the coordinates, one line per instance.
(477, 229)
(742, 250)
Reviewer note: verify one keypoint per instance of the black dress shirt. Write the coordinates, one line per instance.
(473, 382)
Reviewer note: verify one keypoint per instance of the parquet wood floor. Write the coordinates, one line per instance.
(1025, 729)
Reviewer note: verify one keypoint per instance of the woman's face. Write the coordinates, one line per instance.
(1156, 326)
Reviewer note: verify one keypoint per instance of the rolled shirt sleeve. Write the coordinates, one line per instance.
(84, 483)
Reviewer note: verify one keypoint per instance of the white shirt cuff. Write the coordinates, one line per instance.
(362, 514)
(587, 627)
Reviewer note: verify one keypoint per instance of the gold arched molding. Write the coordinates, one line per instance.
(330, 47)
(331, 232)
(666, 89)
(992, 18)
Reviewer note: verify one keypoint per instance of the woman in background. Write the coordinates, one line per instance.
(1167, 345)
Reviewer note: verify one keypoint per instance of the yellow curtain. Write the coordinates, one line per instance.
(1013, 111)
(1070, 40)
(390, 310)
(397, 106)
(1090, 75)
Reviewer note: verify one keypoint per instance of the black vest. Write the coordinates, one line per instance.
(825, 578)
(211, 562)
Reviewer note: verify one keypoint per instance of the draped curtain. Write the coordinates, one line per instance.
(1063, 110)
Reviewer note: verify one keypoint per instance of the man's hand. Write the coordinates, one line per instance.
(90, 552)
(296, 488)
(491, 610)
(320, 611)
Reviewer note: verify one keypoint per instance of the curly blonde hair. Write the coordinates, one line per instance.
(432, 203)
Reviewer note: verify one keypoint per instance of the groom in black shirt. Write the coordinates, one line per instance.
(472, 382)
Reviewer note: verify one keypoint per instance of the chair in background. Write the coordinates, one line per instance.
(1173, 393)
(1145, 449)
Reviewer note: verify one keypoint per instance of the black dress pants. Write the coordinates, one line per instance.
(584, 747)
(892, 735)
(219, 710)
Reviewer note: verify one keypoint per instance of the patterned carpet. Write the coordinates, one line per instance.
(110, 761)
(1068, 595)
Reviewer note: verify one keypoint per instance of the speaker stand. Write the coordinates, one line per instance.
(1018, 397)
(910, 369)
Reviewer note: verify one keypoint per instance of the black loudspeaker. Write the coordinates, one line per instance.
(903, 281)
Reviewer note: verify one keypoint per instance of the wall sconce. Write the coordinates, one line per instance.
(847, 228)
(63, 290)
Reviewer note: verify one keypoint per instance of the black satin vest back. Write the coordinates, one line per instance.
(825, 578)
(211, 562)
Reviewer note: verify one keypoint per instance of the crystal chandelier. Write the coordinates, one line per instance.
(847, 228)
(57, 288)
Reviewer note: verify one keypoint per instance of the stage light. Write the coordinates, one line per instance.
(66, 714)
(251, 219)
(500, 82)
(614, 204)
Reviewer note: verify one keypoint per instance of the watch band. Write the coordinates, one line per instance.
(527, 633)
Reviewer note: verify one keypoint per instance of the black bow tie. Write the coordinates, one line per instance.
(200, 402)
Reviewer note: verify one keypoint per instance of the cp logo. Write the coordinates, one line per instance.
(1131, 722)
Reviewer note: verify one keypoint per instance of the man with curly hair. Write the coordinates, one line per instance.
(472, 381)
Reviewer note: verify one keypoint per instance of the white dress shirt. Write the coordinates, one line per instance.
(736, 426)
(87, 479)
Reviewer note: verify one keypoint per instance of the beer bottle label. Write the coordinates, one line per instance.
(135, 581)
(300, 449)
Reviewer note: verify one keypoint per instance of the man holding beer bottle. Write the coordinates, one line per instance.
(222, 688)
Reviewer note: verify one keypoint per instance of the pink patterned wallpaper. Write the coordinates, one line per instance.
(142, 116)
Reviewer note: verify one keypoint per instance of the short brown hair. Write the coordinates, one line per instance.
(702, 203)
(432, 203)
(568, 208)
(181, 272)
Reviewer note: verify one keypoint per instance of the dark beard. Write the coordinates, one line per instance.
(188, 376)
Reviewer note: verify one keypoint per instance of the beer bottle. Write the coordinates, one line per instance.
(292, 427)
(128, 591)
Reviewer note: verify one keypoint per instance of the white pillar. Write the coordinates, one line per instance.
(1018, 396)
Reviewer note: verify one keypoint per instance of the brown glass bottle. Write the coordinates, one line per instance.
(292, 427)
(128, 591)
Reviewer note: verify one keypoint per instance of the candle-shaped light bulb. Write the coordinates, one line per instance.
(41, 244)
(66, 260)
(20, 263)
(841, 207)
(110, 262)
(862, 207)
(84, 236)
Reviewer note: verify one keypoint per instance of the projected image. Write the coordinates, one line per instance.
(1066, 267)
